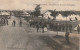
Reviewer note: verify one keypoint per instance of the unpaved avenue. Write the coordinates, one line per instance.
(26, 38)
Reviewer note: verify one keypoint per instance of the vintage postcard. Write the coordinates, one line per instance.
(39, 24)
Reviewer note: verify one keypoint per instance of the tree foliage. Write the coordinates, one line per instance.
(37, 11)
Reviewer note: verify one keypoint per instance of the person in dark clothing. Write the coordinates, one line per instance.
(53, 26)
(37, 26)
(30, 24)
(56, 27)
(1, 20)
(66, 27)
(70, 28)
(43, 27)
(78, 29)
(76, 18)
(4, 21)
(70, 19)
(63, 27)
(67, 37)
(40, 23)
(59, 27)
(14, 22)
(50, 25)
(7, 21)
(20, 22)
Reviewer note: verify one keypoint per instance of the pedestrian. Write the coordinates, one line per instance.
(14, 22)
(70, 28)
(56, 27)
(66, 27)
(43, 27)
(37, 26)
(78, 29)
(20, 22)
(50, 25)
(67, 37)
(4, 21)
(30, 23)
(7, 21)
(53, 26)
(63, 27)
(1, 20)
(40, 24)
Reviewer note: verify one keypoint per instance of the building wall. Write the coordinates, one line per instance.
(48, 15)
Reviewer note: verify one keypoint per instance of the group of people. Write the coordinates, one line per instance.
(61, 27)
(58, 27)
(52, 26)
(4, 21)
(39, 24)
(14, 23)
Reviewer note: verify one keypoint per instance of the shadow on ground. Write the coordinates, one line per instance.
(51, 42)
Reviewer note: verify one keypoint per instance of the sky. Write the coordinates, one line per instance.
(45, 4)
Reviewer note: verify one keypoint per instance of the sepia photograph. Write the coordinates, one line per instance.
(39, 24)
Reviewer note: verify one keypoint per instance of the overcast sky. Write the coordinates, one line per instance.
(45, 4)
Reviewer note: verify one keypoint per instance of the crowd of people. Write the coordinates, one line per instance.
(55, 26)
(38, 24)
(67, 28)
(61, 27)
(4, 21)
(51, 26)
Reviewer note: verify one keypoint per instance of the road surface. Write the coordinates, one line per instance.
(27, 38)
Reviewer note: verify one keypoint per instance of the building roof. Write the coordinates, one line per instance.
(4, 13)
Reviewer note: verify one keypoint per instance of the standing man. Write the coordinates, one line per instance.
(78, 29)
(63, 27)
(1, 20)
(70, 28)
(30, 23)
(20, 22)
(43, 27)
(57, 28)
(4, 20)
(37, 26)
(67, 37)
(7, 21)
(66, 27)
(14, 22)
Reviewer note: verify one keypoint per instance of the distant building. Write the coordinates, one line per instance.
(68, 18)
(5, 14)
(60, 17)
(21, 14)
(47, 15)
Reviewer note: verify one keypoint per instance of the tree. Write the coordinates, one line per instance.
(37, 11)
(54, 13)
(65, 14)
